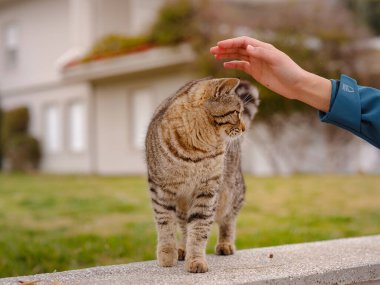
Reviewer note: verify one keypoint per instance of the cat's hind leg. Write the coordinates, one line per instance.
(181, 212)
(181, 217)
(226, 238)
(165, 218)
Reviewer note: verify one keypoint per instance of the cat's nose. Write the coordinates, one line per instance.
(242, 127)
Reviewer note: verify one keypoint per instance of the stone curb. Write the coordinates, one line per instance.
(341, 261)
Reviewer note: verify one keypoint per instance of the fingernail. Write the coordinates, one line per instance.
(250, 48)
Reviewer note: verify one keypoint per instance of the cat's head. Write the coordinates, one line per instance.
(224, 106)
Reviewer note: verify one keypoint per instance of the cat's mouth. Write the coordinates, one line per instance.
(233, 133)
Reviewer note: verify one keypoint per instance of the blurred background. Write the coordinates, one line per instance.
(80, 79)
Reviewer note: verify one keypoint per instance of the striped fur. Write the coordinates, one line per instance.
(194, 174)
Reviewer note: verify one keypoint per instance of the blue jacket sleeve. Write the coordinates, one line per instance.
(355, 108)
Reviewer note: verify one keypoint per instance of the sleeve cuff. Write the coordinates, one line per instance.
(345, 109)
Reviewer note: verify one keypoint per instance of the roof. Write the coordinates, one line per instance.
(138, 61)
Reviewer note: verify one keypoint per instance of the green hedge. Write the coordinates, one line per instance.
(175, 23)
(21, 150)
(1, 139)
(15, 121)
(173, 26)
(115, 44)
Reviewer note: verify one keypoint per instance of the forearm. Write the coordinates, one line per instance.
(314, 91)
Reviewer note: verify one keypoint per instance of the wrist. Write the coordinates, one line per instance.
(314, 90)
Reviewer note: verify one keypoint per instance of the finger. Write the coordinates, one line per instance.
(232, 56)
(241, 51)
(241, 42)
(215, 50)
(241, 65)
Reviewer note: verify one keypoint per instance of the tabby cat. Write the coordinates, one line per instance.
(194, 172)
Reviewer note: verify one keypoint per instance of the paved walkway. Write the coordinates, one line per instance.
(344, 261)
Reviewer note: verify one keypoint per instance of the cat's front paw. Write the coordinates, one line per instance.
(196, 265)
(225, 249)
(181, 253)
(167, 256)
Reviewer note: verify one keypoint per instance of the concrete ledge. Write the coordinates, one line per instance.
(343, 261)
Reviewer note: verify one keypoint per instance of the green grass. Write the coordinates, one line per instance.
(55, 223)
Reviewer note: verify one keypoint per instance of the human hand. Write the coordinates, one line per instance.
(266, 64)
(275, 70)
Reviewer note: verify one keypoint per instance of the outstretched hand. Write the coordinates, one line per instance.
(274, 69)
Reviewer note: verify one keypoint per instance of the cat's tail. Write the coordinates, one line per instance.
(249, 94)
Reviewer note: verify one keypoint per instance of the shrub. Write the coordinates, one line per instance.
(15, 121)
(174, 23)
(23, 152)
(20, 149)
(115, 44)
(1, 139)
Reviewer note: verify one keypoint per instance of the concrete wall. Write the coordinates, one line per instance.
(302, 144)
(116, 152)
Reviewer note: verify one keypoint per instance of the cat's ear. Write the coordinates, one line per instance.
(226, 85)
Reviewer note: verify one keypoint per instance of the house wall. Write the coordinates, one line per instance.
(51, 32)
(43, 37)
(131, 17)
(116, 149)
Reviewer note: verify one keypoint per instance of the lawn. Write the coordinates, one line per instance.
(54, 223)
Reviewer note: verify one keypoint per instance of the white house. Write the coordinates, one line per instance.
(91, 118)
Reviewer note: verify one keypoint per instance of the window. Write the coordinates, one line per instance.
(76, 127)
(11, 44)
(142, 111)
(53, 130)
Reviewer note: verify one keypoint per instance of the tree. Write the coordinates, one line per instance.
(367, 11)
